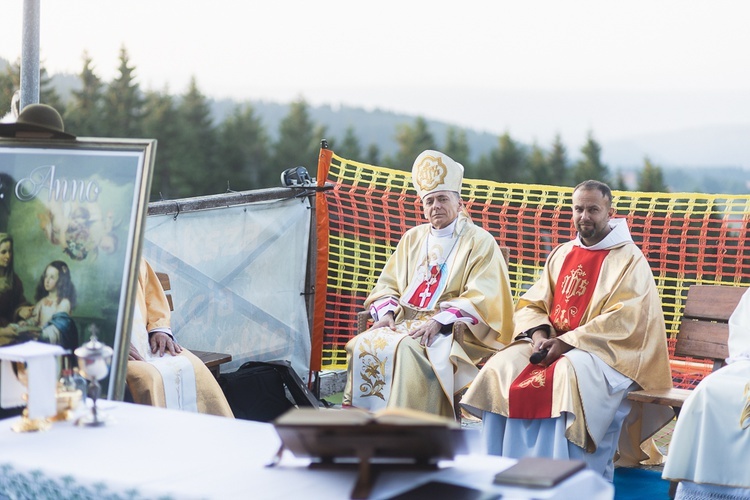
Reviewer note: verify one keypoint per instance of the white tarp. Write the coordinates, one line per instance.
(237, 275)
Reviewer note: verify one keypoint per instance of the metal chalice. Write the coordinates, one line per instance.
(94, 359)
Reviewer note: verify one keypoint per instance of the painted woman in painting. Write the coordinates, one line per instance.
(13, 305)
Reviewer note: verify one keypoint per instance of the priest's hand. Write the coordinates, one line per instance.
(426, 332)
(555, 348)
(161, 342)
(386, 321)
(134, 355)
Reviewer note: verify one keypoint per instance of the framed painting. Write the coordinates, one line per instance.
(72, 214)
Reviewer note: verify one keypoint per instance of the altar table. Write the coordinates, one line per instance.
(146, 452)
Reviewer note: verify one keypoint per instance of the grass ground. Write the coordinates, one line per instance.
(335, 399)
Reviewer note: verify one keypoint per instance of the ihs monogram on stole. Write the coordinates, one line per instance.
(574, 284)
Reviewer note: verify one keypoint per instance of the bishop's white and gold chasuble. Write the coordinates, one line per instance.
(603, 302)
(451, 277)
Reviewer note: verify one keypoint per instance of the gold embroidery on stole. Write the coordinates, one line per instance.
(535, 380)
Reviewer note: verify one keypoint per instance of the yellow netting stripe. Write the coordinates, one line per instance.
(689, 238)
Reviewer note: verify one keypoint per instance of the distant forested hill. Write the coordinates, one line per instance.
(372, 127)
(713, 159)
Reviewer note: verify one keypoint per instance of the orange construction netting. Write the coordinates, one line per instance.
(688, 238)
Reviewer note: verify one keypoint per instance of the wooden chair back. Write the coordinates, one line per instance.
(167, 287)
(704, 329)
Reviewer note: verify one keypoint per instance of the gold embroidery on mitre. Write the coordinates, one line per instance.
(535, 380)
(430, 173)
(575, 283)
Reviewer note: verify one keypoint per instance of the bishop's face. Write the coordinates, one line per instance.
(441, 208)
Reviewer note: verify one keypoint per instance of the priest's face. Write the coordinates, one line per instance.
(591, 213)
(441, 208)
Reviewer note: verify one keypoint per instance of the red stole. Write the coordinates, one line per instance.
(531, 391)
(426, 289)
(575, 287)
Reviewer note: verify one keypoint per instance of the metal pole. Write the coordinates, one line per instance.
(30, 54)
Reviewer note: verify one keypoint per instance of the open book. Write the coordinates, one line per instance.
(334, 434)
(357, 416)
(388, 438)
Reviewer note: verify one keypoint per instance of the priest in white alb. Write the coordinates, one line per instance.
(444, 272)
(594, 318)
(710, 448)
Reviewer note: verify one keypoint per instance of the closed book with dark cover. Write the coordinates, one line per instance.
(539, 472)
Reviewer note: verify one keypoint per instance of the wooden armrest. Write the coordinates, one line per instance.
(213, 360)
(671, 397)
(363, 319)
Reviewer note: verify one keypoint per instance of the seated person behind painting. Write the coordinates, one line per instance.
(160, 371)
(441, 273)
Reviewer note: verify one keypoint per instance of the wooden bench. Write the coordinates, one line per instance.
(212, 360)
(703, 335)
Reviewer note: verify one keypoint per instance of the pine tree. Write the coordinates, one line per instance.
(539, 168)
(198, 173)
(558, 163)
(651, 178)
(620, 183)
(298, 142)
(244, 151)
(10, 82)
(590, 166)
(123, 102)
(504, 163)
(349, 148)
(83, 115)
(412, 140)
(48, 94)
(161, 122)
(457, 147)
(373, 154)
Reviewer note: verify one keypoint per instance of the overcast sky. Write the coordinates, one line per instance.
(532, 68)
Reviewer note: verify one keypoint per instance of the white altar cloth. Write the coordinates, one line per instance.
(146, 452)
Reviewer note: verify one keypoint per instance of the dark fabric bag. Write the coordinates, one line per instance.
(258, 390)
